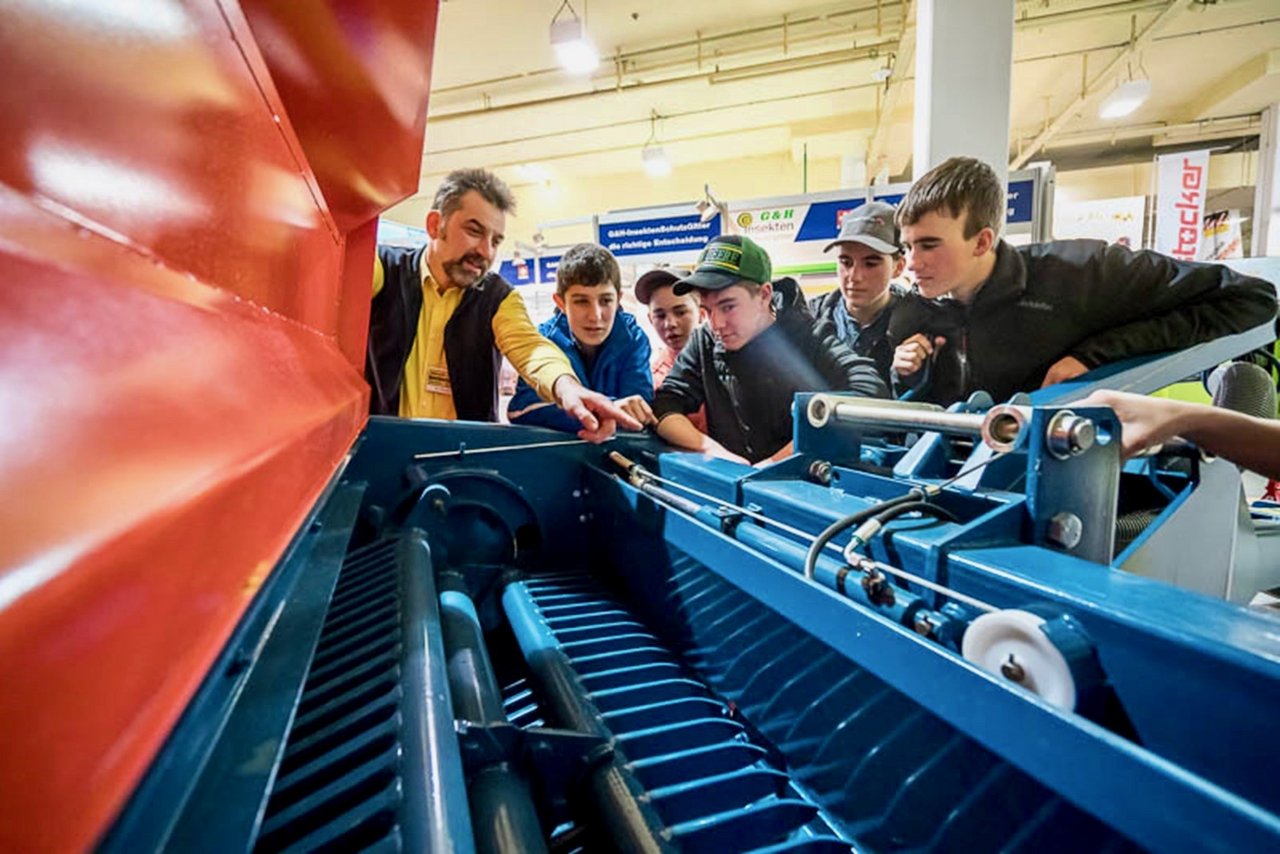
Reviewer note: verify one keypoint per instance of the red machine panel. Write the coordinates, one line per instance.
(183, 300)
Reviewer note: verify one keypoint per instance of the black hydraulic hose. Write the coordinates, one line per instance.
(914, 501)
(925, 507)
(831, 531)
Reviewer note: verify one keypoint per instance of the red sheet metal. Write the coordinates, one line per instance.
(183, 300)
(362, 129)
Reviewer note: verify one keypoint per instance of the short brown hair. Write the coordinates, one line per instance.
(588, 264)
(957, 185)
(459, 182)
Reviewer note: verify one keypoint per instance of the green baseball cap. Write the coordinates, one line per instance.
(727, 260)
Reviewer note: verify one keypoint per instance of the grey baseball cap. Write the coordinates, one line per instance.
(871, 225)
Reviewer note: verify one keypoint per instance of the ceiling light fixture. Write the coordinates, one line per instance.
(1128, 96)
(574, 51)
(655, 160)
(884, 72)
(534, 173)
(1125, 99)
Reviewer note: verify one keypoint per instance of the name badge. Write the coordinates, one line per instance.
(438, 381)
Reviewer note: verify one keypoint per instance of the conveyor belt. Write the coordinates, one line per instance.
(887, 772)
(710, 781)
(733, 730)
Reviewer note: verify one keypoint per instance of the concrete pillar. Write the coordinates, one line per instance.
(964, 62)
(1266, 195)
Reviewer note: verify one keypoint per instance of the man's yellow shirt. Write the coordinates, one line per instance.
(425, 391)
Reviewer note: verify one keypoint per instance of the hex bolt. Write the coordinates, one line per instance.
(820, 471)
(1065, 530)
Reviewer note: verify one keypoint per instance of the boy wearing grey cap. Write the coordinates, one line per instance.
(858, 311)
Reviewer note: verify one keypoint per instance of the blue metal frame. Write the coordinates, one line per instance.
(1145, 374)
(1150, 799)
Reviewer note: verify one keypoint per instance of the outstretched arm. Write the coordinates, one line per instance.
(1153, 303)
(678, 430)
(1252, 443)
(599, 415)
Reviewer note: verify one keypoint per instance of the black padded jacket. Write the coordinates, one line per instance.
(1084, 298)
(748, 392)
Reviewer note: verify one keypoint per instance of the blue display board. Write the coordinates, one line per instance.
(822, 221)
(517, 273)
(658, 235)
(1020, 198)
(547, 267)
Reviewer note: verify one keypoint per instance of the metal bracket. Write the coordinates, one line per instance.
(555, 759)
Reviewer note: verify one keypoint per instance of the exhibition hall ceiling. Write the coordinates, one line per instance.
(822, 80)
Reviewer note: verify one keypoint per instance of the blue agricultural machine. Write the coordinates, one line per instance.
(927, 630)
(235, 616)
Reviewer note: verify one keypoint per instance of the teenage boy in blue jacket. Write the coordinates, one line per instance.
(608, 350)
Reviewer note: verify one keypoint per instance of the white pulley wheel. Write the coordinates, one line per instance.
(1012, 645)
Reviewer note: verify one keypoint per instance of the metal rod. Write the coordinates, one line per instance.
(463, 450)
(476, 695)
(618, 798)
(503, 816)
(918, 416)
(640, 478)
(1000, 427)
(931, 585)
(432, 763)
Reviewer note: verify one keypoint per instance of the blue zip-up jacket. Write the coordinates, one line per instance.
(621, 369)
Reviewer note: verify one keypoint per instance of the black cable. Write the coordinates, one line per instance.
(915, 501)
(916, 507)
(830, 532)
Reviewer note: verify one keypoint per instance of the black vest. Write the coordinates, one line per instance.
(393, 326)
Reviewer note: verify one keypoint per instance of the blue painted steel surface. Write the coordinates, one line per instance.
(1216, 660)
(716, 477)
(1145, 374)
(1149, 798)
(721, 701)
(712, 786)
(1083, 486)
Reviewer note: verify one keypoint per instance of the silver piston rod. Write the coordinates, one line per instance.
(1001, 427)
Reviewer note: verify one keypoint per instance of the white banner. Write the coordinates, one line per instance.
(1113, 220)
(1183, 180)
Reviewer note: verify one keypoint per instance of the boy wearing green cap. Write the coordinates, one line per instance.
(757, 349)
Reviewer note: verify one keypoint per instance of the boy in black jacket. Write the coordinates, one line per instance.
(994, 317)
(756, 350)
